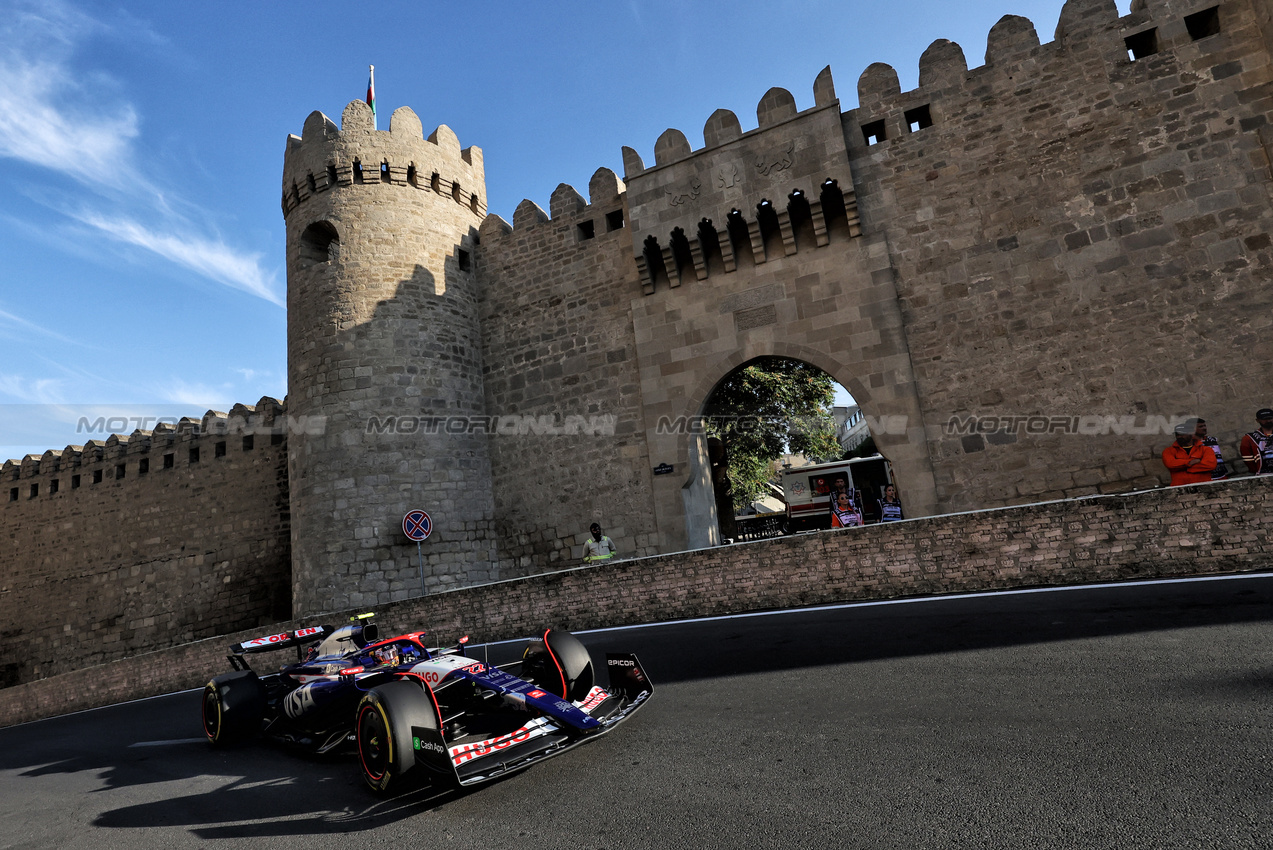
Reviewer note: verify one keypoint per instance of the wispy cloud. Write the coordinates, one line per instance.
(9, 320)
(31, 390)
(199, 395)
(75, 122)
(51, 116)
(214, 260)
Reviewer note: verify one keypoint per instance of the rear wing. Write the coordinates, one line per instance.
(283, 640)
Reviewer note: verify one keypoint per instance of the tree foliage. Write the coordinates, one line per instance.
(769, 407)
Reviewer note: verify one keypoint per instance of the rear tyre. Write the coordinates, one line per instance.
(560, 664)
(233, 707)
(383, 728)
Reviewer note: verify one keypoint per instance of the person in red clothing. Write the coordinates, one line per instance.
(1187, 459)
(1257, 447)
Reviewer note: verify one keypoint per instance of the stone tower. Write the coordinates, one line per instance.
(385, 396)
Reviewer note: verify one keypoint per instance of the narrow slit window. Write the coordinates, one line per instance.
(219, 449)
(35, 490)
(385, 176)
(919, 118)
(53, 486)
(194, 455)
(1142, 44)
(465, 262)
(97, 476)
(143, 466)
(13, 494)
(587, 230)
(247, 443)
(614, 221)
(357, 171)
(75, 482)
(1204, 23)
(169, 461)
(120, 470)
(873, 132)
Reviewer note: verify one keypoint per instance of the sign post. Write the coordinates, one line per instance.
(417, 526)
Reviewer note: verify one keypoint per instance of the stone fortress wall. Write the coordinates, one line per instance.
(139, 542)
(1079, 233)
(1067, 232)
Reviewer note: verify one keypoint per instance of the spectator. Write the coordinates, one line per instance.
(890, 505)
(845, 514)
(1200, 433)
(1257, 447)
(1187, 460)
(598, 547)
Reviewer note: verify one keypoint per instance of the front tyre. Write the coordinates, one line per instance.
(560, 664)
(233, 707)
(383, 726)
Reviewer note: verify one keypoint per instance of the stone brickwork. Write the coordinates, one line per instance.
(1078, 234)
(384, 344)
(142, 542)
(562, 381)
(1202, 529)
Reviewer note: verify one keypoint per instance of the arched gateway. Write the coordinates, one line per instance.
(1004, 291)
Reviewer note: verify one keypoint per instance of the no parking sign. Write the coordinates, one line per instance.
(417, 525)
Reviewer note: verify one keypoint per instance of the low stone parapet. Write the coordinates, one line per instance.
(1201, 529)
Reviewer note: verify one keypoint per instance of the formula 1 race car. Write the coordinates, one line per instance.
(413, 712)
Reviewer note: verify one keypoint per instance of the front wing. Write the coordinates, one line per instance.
(475, 762)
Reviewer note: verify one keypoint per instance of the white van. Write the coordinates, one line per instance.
(806, 489)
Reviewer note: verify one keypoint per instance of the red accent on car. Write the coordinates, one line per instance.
(560, 671)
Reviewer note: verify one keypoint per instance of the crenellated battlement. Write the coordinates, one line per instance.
(602, 213)
(1087, 32)
(760, 194)
(356, 155)
(186, 443)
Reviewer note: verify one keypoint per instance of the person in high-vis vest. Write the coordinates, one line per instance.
(1257, 447)
(598, 547)
(890, 506)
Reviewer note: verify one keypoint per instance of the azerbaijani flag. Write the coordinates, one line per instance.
(371, 91)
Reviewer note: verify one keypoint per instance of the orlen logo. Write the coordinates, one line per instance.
(536, 694)
(459, 755)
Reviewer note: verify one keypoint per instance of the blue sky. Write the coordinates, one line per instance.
(141, 149)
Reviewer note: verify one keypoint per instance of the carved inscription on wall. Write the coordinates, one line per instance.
(752, 298)
(756, 317)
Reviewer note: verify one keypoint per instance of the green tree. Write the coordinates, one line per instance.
(771, 406)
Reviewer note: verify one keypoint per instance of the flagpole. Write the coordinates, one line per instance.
(371, 93)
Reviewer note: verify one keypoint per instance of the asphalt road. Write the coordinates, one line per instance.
(1118, 717)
